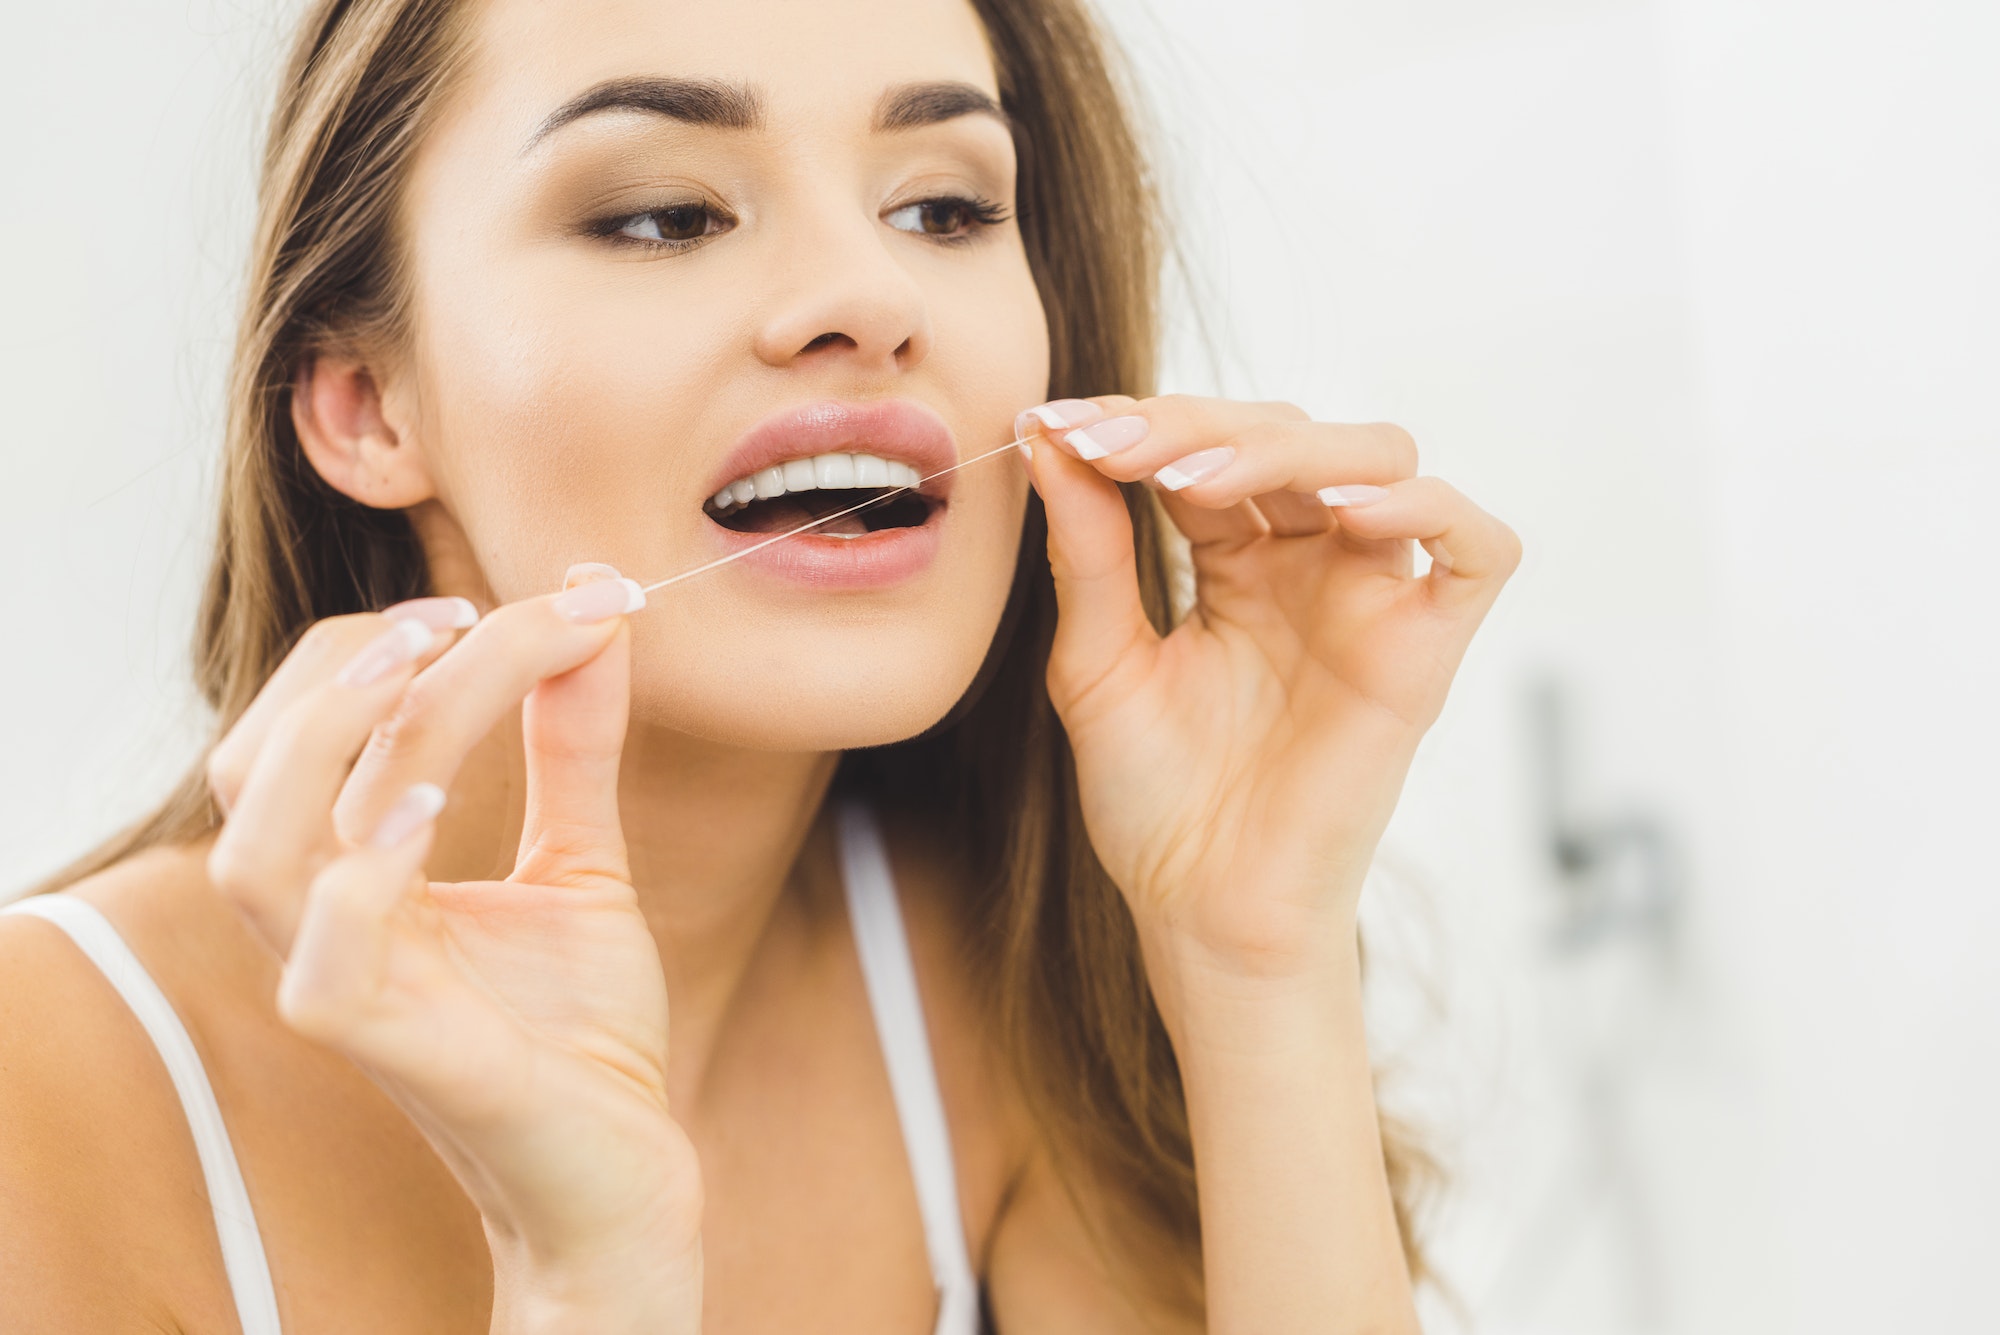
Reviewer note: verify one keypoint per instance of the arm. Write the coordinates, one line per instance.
(1297, 1221)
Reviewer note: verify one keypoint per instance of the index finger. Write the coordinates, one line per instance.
(325, 648)
(459, 699)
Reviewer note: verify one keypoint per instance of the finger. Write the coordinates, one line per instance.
(459, 699)
(381, 993)
(1100, 621)
(1180, 441)
(1055, 419)
(573, 728)
(281, 831)
(1472, 553)
(1208, 527)
(1266, 457)
(321, 652)
(335, 969)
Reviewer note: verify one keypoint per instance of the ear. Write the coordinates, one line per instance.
(355, 436)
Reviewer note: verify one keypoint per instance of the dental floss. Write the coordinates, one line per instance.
(870, 503)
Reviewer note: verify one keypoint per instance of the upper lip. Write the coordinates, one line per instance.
(890, 428)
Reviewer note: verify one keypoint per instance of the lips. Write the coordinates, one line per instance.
(905, 438)
(893, 429)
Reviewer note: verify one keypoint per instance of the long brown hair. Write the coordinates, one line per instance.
(1058, 952)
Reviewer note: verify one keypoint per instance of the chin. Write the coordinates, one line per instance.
(809, 689)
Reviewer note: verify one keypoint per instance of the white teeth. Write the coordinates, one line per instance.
(833, 471)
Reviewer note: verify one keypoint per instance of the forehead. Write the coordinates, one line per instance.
(804, 58)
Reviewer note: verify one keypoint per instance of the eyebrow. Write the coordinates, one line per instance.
(721, 106)
(915, 105)
(728, 106)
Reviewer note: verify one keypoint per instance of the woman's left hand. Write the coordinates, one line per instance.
(1237, 773)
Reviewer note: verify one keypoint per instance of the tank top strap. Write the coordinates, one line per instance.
(235, 1224)
(884, 948)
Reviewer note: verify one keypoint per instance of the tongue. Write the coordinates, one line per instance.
(781, 514)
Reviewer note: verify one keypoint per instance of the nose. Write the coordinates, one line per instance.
(842, 296)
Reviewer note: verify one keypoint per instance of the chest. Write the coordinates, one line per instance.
(811, 1223)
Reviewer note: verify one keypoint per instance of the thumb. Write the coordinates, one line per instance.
(573, 733)
(1101, 625)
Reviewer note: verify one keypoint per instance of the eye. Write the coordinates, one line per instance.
(679, 224)
(950, 218)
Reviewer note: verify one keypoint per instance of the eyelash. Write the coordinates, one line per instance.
(984, 212)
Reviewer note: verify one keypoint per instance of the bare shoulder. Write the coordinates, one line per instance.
(100, 1188)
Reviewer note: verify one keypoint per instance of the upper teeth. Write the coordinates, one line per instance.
(821, 470)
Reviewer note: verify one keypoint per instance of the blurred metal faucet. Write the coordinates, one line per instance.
(1619, 875)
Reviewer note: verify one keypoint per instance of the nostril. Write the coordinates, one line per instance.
(823, 340)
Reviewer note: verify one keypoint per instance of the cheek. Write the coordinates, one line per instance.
(552, 414)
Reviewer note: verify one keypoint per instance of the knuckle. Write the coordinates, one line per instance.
(1266, 435)
(294, 731)
(225, 771)
(406, 729)
(336, 637)
(1402, 446)
(308, 1008)
(237, 867)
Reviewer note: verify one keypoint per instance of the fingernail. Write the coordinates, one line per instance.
(437, 613)
(1107, 437)
(583, 572)
(1440, 554)
(415, 809)
(1355, 495)
(1197, 467)
(600, 600)
(1060, 415)
(394, 647)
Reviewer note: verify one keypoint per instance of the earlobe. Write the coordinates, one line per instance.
(351, 437)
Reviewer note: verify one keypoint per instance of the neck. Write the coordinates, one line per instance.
(714, 836)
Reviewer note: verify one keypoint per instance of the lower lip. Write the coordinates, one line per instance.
(883, 558)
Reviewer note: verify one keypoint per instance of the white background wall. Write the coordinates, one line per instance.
(1699, 294)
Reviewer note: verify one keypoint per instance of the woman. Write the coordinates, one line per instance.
(543, 294)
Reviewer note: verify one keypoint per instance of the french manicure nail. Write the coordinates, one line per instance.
(583, 572)
(394, 647)
(1060, 415)
(1197, 467)
(437, 613)
(1440, 554)
(600, 600)
(1107, 437)
(416, 808)
(1354, 495)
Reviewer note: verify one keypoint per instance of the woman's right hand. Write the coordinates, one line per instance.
(522, 1024)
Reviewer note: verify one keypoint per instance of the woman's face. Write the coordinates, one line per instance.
(663, 246)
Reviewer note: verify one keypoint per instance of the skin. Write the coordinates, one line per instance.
(477, 1011)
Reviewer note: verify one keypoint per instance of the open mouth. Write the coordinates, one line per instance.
(799, 491)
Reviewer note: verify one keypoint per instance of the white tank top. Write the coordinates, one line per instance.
(892, 995)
